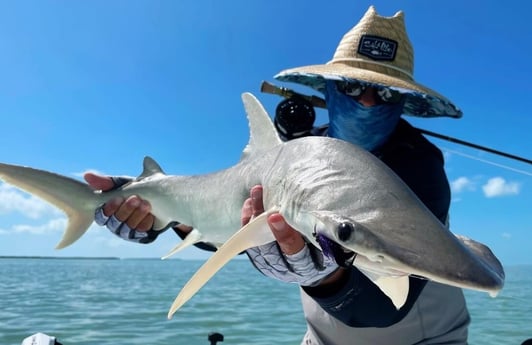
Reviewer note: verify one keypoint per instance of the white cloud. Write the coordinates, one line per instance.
(456, 199)
(14, 200)
(52, 226)
(498, 186)
(461, 184)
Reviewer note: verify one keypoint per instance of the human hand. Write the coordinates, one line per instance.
(290, 258)
(129, 218)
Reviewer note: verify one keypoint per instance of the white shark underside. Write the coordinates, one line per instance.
(318, 184)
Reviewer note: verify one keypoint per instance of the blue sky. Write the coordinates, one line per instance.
(97, 85)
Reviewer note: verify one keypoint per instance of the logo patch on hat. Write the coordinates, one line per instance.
(377, 48)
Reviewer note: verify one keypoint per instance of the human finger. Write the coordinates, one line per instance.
(140, 215)
(99, 182)
(131, 208)
(111, 206)
(146, 223)
(257, 204)
(289, 239)
(247, 212)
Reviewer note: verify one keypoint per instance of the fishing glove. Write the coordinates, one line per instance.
(308, 267)
(119, 228)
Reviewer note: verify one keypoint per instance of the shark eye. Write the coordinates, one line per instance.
(344, 231)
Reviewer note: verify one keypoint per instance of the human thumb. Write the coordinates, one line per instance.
(98, 182)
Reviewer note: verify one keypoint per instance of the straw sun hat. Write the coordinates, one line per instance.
(376, 51)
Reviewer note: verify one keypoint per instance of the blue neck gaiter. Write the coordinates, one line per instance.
(368, 127)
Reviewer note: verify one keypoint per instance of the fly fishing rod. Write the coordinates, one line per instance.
(287, 93)
(318, 102)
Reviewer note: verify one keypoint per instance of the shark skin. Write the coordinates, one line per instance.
(320, 185)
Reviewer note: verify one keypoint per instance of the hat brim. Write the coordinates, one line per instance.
(419, 100)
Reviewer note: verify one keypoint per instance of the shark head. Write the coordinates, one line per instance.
(388, 252)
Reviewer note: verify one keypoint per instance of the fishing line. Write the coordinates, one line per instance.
(488, 162)
(476, 146)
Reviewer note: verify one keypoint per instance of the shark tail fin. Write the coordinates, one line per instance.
(78, 224)
(192, 238)
(263, 134)
(73, 197)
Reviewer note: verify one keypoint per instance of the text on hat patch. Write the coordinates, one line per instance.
(377, 48)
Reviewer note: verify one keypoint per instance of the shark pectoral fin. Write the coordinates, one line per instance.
(395, 287)
(255, 233)
(78, 224)
(192, 238)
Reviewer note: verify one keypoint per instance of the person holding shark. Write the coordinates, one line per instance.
(367, 86)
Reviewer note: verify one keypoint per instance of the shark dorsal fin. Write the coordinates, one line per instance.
(263, 134)
(150, 167)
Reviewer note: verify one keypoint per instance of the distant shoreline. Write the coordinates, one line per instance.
(35, 257)
(60, 257)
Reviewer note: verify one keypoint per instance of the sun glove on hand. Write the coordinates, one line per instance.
(121, 229)
(308, 267)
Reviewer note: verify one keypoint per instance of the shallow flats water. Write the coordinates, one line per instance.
(96, 301)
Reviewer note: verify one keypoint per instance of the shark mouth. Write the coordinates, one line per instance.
(332, 250)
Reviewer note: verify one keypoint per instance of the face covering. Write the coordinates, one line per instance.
(351, 121)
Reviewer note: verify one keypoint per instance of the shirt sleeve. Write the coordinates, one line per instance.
(357, 302)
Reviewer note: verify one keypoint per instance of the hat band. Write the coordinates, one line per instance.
(408, 74)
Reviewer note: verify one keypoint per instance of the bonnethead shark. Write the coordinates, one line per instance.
(324, 188)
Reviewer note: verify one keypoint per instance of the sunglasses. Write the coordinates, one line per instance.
(384, 94)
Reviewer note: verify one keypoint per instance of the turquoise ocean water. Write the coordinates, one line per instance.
(103, 302)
